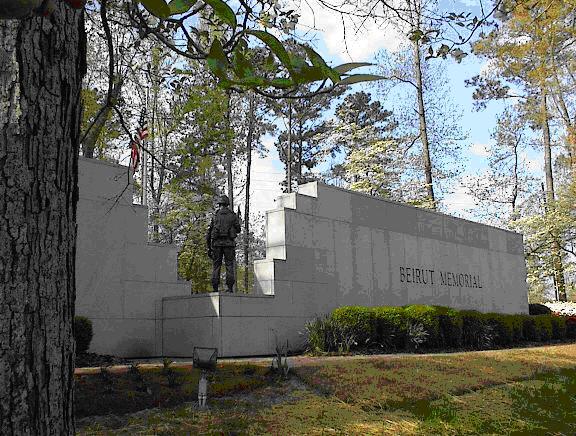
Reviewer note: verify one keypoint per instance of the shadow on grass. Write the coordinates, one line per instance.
(545, 404)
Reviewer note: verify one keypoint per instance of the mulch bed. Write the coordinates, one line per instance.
(86, 360)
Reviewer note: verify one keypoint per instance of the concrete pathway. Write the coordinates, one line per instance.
(294, 361)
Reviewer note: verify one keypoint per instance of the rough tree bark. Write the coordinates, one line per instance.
(42, 62)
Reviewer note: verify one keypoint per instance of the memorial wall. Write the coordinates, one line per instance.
(373, 252)
(120, 277)
(326, 247)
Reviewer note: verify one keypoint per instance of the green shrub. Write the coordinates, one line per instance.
(543, 327)
(473, 330)
(326, 335)
(558, 327)
(529, 331)
(82, 333)
(421, 326)
(538, 309)
(570, 327)
(516, 322)
(391, 327)
(358, 321)
(317, 335)
(450, 323)
(426, 316)
(503, 328)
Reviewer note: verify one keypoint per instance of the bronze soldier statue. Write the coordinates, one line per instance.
(223, 229)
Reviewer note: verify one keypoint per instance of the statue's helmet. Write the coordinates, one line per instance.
(223, 199)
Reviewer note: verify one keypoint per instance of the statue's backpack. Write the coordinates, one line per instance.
(223, 226)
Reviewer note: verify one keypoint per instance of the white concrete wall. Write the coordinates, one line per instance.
(355, 245)
(120, 278)
(326, 247)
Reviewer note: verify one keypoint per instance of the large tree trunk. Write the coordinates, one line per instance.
(41, 68)
(550, 196)
(423, 126)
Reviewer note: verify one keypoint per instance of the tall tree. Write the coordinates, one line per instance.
(414, 17)
(438, 151)
(303, 142)
(362, 132)
(199, 170)
(43, 62)
(254, 124)
(507, 185)
(525, 51)
(116, 57)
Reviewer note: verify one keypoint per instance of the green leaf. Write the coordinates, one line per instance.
(251, 82)
(282, 83)
(180, 6)
(344, 68)
(416, 35)
(308, 74)
(223, 11)
(318, 62)
(357, 78)
(217, 60)
(158, 8)
(275, 46)
(240, 65)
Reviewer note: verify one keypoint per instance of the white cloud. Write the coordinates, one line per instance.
(340, 35)
(534, 165)
(470, 2)
(482, 150)
(459, 203)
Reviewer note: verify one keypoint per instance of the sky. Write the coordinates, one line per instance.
(362, 46)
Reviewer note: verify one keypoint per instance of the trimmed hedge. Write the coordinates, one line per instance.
(408, 327)
(427, 317)
(538, 309)
(571, 327)
(391, 327)
(82, 334)
(451, 325)
(358, 320)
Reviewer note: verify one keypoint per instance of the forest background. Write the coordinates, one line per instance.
(485, 131)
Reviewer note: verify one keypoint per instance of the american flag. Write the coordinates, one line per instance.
(141, 134)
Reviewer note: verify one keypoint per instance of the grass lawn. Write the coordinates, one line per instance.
(518, 391)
